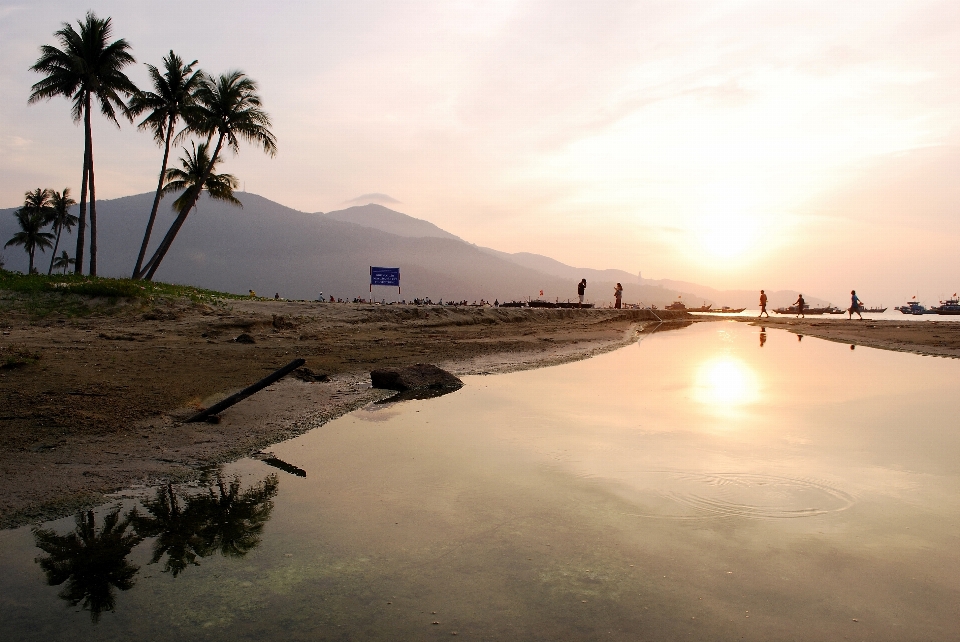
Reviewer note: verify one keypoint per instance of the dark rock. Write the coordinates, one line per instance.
(421, 376)
(244, 338)
(306, 374)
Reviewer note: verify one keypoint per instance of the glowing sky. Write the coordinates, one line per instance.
(805, 145)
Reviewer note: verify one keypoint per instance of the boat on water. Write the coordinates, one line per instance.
(678, 306)
(873, 310)
(914, 307)
(793, 310)
(724, 310)
(950, 306)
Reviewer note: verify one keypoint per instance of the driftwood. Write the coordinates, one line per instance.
(246, 392)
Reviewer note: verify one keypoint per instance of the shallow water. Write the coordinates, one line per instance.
(706, 483)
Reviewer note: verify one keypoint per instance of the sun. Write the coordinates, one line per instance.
(728, 224)
(726, 383)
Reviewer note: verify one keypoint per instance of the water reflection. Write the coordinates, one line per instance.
(763, 336)
(726, 383)
(92, 562)
(223, 520)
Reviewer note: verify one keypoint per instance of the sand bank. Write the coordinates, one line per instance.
(102, 407)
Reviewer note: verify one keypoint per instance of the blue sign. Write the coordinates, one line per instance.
(385, 276)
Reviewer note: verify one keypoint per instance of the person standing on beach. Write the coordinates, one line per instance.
(800, 303)
(763, 305)
(855, 305)
(618, 295)
(581, 288)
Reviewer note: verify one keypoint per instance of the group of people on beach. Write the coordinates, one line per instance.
(617, 293)
(855, 305)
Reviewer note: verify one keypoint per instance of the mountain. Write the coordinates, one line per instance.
(270, 248)
(386, 220)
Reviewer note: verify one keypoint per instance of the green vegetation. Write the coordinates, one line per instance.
(73, 295)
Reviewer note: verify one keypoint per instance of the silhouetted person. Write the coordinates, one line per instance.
(763, 335)
(763, 305)
(801, 304)
(581, 289)
(618, 295)
(855, 305)
(852, 346)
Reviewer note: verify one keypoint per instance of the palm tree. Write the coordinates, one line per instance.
(196, 168)
(227, 107)
(86, 66)
(61, 219)
(33, 217)
(173, 96)
(92, 563)
(63, 261)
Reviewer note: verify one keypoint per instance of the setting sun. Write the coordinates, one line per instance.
(726, 383)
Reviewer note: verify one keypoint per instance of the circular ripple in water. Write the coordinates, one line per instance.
(685, 495)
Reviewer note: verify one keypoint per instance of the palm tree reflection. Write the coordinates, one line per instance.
(223, 519)
(92, 563)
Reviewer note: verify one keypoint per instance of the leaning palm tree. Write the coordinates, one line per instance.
(61, 219)
(33, 217)
(87, 66)
(230, 109)
(173, 97)
(63, 261)
(197, 170)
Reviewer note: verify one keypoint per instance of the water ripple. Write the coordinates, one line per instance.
(690, 495)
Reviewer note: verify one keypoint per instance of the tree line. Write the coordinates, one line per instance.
(184, 103)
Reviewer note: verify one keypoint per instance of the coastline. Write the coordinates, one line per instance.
(102, 408)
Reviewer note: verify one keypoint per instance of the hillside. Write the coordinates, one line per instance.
(270, 248)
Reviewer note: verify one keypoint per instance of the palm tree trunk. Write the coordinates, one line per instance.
(30, 254)
(156, 200)
(55, 246)
(93, 215)
(82, 225)
(151, 267)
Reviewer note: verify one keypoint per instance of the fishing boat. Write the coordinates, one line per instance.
(724, 310)
(873, 310)
(950, 306)
(793, 310)
(914, 307)
(678, 306)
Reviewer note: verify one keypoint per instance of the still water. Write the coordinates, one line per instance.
(713, 482)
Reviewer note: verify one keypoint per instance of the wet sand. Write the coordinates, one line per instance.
(103, 406)
(931, 338)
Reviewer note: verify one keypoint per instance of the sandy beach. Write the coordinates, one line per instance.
(103, 406)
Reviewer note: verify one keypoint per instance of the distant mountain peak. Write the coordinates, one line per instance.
(379, 217)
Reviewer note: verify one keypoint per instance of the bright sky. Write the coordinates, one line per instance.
(805, 145)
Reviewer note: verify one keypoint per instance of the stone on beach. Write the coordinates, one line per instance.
(420, 376)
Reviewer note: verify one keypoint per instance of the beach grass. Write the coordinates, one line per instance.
(73, 295)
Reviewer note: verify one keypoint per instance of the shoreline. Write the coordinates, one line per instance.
(102, 407)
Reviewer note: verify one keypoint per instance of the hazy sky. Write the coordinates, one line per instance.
(805, 145)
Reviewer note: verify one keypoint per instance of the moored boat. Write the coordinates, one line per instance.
(950, 306)
(914, 307)
(724, 310)
(793, 310)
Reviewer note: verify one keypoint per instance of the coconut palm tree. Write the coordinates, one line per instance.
(91, 562)
(87, 66)
(229, 108)
(172, 97)
(63, 261)
(61, 219)
(33, 217)
(196, 168)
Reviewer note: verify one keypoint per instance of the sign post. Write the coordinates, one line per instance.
(385, 276)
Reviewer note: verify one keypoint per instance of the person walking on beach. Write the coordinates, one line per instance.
(581, 288)
(618, 295)
(763, 305)
(800, 303)
(855, 305)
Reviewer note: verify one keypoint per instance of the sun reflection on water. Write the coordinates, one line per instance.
(725, 384)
